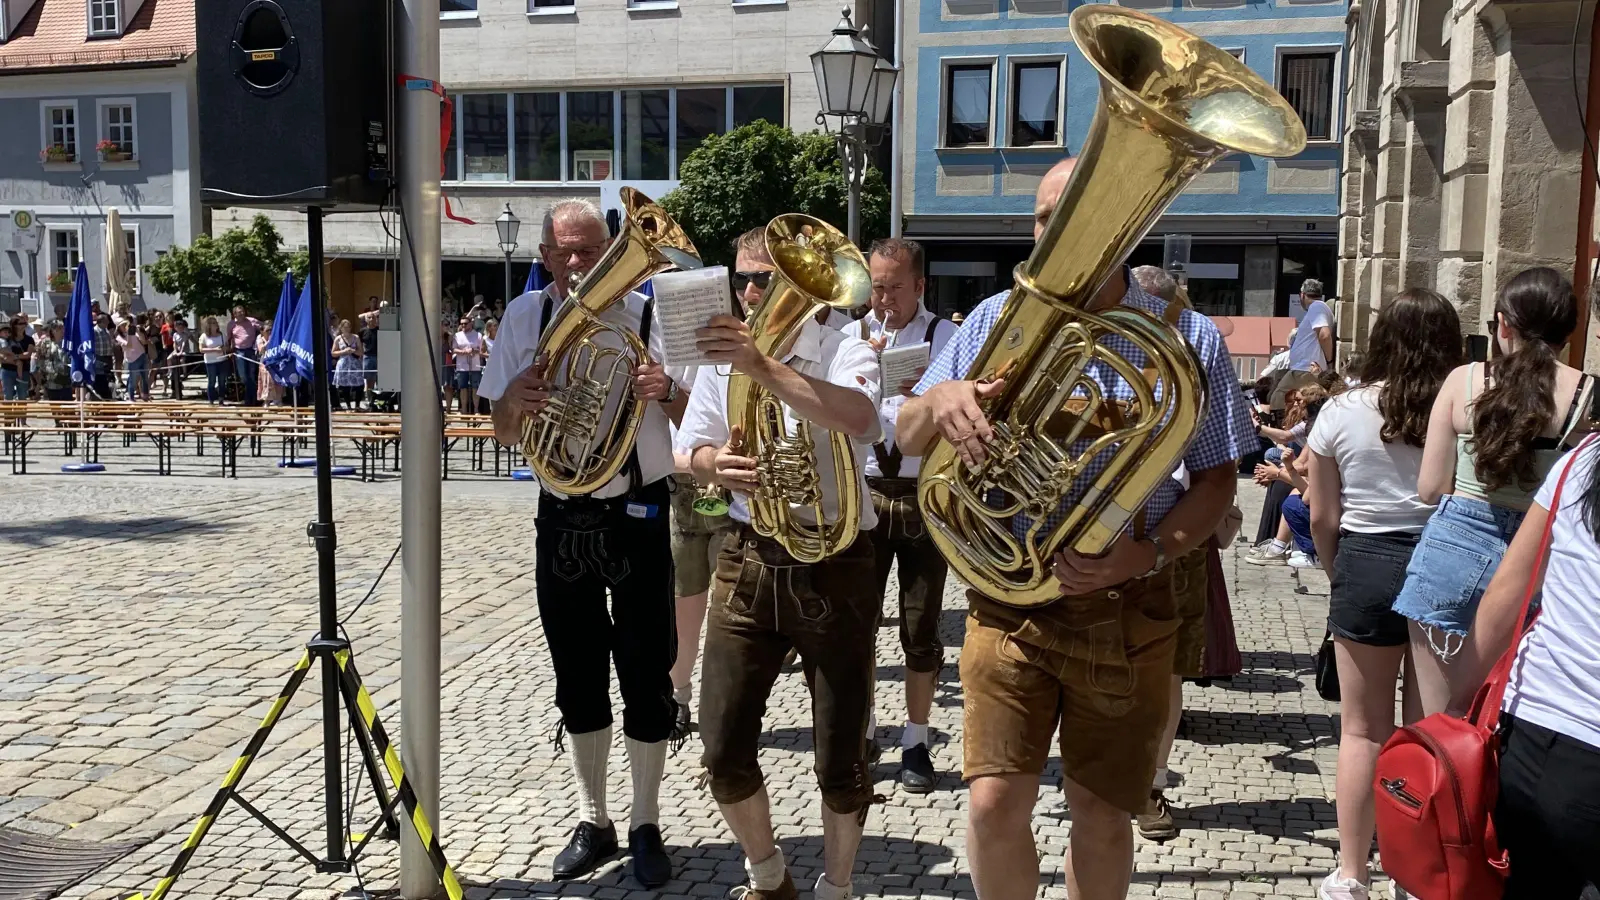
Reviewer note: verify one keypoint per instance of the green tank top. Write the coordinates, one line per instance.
(1546, 452)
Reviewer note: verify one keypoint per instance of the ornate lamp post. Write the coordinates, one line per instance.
(507, 224)
(856, 87)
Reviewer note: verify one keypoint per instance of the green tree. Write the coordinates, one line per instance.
(240, 267)
(736, 181)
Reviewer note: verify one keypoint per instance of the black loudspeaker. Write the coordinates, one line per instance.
(294, 102)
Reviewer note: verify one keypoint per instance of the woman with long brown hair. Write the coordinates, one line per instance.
(1366, 451)
(1495, 432)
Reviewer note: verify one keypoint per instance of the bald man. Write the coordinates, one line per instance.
(1096, 665)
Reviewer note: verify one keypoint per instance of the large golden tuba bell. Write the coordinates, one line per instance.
(577, 444)
(1170, 105)
(817, 266)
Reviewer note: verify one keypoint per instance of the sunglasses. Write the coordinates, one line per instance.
(743, 279)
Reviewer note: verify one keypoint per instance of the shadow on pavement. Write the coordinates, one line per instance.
(39, 533)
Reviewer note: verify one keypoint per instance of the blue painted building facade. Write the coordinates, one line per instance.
(996, 92)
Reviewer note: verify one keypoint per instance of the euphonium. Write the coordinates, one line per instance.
(1170, 105)
(576, 444)
(816, 267)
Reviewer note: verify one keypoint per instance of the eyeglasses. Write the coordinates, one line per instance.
(743, 279)
(589, 253)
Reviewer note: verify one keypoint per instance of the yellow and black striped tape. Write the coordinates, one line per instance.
(391, 761)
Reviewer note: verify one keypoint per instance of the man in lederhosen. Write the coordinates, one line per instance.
(614, 540)
(764, 601)
(899, 319)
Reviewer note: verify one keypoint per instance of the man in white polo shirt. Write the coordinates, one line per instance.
(899, 319)
(614, 540)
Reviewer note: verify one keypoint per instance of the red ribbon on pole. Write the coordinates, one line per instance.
(446, 123)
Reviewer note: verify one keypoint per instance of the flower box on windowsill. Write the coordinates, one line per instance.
(115, 156)
(57, 156)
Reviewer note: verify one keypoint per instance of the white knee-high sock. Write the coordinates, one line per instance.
(647, 763)
(591, 751)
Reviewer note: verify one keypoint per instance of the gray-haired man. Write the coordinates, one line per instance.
(1311, 351)
(616, 541)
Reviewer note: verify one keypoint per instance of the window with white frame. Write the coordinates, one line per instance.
(1036, 104)
(66, 249)
(130, 238)
(536, 7)
(1306, 81)
(966, 105)
(103, 18)
(60, 132)
(598, 135)
(117, 138)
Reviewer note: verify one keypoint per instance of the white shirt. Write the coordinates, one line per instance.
(837, 319)
(1556, 679)
(1378, 481)
(889, 407)
(822, 353)
(468, 347)
(1278, 363)
(515, 351)
(1306, 349)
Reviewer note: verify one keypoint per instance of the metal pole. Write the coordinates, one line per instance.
(852, 180)
(896, 170)
(509, 297)
(423, 424)
(322, 536)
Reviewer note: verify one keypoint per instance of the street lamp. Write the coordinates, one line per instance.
(507, 224)
(856, 86)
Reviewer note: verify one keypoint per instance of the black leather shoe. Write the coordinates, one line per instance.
(652, 867)
(917, 774)
(590, 846)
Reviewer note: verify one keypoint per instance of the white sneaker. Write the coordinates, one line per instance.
(1299, 560)
(1335, 888)
(1264, 555)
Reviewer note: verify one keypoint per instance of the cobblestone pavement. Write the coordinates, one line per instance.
(148, 622)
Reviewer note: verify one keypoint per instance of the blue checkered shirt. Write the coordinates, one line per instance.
(1226, 432)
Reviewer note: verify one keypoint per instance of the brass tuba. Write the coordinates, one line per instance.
(576, 444)
(816, 266)
(1170, 105)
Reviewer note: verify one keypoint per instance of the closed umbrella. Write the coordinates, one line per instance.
(119, 287)
(80, 349)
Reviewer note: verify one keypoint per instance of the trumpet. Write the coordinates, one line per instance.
(817, 266)
(573, 444)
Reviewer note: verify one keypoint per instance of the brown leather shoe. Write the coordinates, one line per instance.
(1155, 823)
(783, 891)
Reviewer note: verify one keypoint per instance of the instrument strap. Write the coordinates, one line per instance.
(889, 457)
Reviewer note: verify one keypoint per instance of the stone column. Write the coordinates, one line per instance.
(1536, 146)
(1420, 95)
(1469, 121)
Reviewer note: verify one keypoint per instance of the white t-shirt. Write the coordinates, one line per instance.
(468, 347)
(1556, 679)
(515, 351)
(819, 352)
(1378, 481)
(1306, 349)
(889, 407)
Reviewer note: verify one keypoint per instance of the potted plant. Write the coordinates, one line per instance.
(56, 153)
(60, 282)
(111, 151)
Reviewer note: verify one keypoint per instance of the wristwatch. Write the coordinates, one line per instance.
(1161, 555)
(672, 391)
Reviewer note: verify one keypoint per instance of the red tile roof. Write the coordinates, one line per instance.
(54, 36)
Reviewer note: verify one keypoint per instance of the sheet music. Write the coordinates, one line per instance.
(897, 364)
(685, 302)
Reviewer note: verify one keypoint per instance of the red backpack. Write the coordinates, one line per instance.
(1437, 781)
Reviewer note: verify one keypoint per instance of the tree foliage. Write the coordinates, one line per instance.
(240, 267)
(737, 181)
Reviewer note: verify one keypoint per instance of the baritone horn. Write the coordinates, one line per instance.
(1170, 105)
(817, 266)
(581, 440)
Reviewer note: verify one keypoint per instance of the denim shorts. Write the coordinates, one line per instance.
(1457, 555)
(1368, 573)
(467, 381)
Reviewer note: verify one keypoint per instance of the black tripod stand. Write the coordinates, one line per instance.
(339, 677)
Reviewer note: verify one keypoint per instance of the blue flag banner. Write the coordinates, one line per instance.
(80, 330)
(648, 289)
(536, 279)
(279, 363)
(299, 338)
